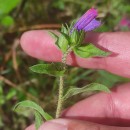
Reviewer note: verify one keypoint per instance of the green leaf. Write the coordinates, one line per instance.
(6, 6)
(63, 42)
(74, 37)
(2, 95)
(11, 94)
(110, 79)
(7, 21)
(1, 88)
(89, 50)
(38, 120)
(72, 24)
(34, 106)
(24, 111)
(87, 88)
(77, 37)
(64, 29)
(81, 37)
(53, 69)
(59, 4)
(67, 28)
(53, 35)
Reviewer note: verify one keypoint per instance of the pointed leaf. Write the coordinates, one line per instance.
(89, 50)
(7, 21)
(81, 37)
(67, 27)
(6, 6)
(63, 41)
(38, 120)
(87, 88)
(25, 111)
(72, 25)
(34, 106)
(64, 29)
(74, 37)
(54, 69)
(53, 35)
(11, 93)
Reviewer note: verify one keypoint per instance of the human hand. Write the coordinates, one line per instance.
(107, 109)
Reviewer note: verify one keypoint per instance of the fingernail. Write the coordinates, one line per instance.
(52, 125)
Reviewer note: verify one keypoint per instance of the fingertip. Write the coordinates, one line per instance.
(52, 125)
(31, 127)
(29, 40)
(39, 44)
(68, 124)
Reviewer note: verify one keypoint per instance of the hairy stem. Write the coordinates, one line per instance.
(61, 85)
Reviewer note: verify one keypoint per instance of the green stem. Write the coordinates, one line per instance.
(60, 100)
(61, 85)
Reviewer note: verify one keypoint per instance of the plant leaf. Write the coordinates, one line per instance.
(87, 88)
(34, 106)
(89, 50)
(72, 25)
(11, 93)
(53, 69)
(7, 21)
(25, 111)
(64, 29)
(81, 37)
(6, 6)
(53, 35)
(63, 41)
(38, 120)
(74, 37)
(59, 4)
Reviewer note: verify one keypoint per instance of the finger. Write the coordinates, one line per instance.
(40, 44)
(117, 42)
(64, 124)
(105, 108)
(31, 127)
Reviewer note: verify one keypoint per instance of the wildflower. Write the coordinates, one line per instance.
(74, 35)
(88, 21)
(125, 22)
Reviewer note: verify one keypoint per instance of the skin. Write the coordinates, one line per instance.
(103, 111)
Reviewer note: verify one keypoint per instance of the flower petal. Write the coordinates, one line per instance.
(86, 19)
(92, 25)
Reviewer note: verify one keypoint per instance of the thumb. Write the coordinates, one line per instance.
(67, 124)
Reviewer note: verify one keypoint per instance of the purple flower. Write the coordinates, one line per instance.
(88, 21)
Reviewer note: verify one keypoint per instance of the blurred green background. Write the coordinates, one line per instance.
(17, 83)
